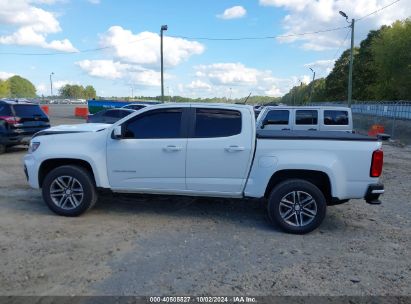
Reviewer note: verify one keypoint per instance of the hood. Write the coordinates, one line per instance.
(80, 128)
(85, 127)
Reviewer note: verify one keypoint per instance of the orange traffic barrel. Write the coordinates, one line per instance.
(376, 129)
(45, 109)
(80, 112)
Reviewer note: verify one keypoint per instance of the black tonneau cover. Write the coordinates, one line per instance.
(312, 135)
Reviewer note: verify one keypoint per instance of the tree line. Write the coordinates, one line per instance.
(19, 87)
(16, 87)
(381, 70)
(77, 91)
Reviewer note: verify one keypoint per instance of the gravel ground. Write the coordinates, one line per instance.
(175, 246)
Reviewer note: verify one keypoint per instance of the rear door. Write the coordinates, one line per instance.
(219, 150)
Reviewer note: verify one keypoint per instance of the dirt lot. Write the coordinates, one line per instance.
(166, 245)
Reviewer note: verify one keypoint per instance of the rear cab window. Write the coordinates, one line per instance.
(211, 123)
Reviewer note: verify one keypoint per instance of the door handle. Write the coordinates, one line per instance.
(172, 148)
(312, 129)
(234, 149)
(285, 129)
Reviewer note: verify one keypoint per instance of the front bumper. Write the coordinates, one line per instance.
(373, 193)
(31, 168)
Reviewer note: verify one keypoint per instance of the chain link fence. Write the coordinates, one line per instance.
(391, 117)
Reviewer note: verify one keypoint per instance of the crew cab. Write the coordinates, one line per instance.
(202, 150)
(310, 118)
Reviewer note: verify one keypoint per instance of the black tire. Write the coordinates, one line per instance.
(281, 205)
(2, 149)
(81, 181)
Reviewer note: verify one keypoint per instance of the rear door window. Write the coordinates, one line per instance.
(278, 117)
(211, 123)
(335, 118)
(306, 117)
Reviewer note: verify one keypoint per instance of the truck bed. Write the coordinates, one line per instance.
(312, 135)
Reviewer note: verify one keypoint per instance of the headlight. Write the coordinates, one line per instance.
(33, 146)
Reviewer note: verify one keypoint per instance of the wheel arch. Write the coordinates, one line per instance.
(318, 178)
(50, 164)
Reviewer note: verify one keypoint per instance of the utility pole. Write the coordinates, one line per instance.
(51, 84)
(349, 98)
(163, 28)
(351, 64)
(312, 86)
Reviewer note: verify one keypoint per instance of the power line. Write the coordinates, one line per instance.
(73, 52)
(183, 37)
(378, 10)
(258, 38)
(341, 45)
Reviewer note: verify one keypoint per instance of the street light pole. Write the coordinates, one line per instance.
(51, 84)
(349, 97)
(163, 28)
(312, 86)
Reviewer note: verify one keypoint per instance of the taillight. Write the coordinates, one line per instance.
(376, 163)
(11, 119)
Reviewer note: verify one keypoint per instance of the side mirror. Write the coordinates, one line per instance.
(117, 133)
(265, 122)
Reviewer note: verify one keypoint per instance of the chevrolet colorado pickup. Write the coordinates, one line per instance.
(209, 150)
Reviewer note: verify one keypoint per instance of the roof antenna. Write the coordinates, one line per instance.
(245, 101)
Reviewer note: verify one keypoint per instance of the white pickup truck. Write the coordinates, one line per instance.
(209, 150)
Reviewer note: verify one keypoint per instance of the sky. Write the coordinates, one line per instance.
(115, 45)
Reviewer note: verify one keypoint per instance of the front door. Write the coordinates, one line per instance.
(151, 155)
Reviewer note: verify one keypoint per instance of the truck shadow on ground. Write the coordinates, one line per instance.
(246, 212)
(250, 213)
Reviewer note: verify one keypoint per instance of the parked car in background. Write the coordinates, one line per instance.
(19, 120)
(257, 110)
(205, 150)
(79, 101)
(305, 118)
(109, 116)
(138, 105)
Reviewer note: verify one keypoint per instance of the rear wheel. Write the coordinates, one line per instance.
(297, 206)
(69, 190)
(2, 149)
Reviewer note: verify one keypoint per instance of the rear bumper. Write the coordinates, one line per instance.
(373, 193)
(17, 137)
(14, 139)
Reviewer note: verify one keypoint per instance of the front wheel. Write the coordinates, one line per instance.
(297, 206)
(69, 190)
